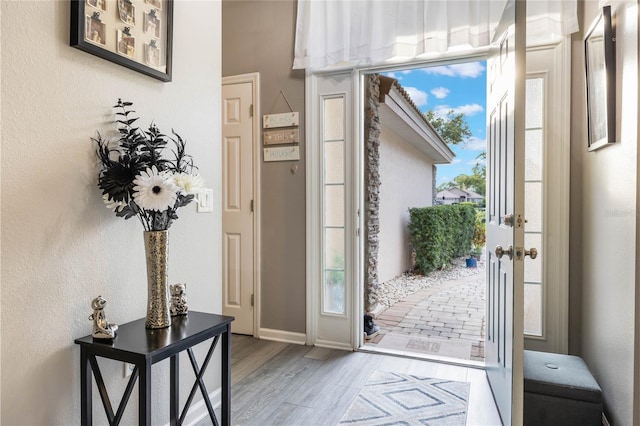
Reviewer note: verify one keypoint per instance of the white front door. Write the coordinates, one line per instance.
(505, 213)
(238, 240)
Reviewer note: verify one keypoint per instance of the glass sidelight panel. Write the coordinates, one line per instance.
(333, 205)
(534, 205)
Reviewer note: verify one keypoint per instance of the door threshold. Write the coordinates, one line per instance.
(424, 357)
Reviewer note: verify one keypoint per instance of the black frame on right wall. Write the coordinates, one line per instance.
(600, 66)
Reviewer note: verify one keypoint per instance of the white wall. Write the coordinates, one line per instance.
(62, 247)
(406, 181)
(603, 216)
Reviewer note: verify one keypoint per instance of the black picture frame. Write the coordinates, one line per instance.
(600, 66)
(122, 33)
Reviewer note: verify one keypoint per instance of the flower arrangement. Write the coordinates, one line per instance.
(136, 180)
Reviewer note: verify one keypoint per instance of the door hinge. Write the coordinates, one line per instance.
(251, 206)
(252, 300)
(251, 110)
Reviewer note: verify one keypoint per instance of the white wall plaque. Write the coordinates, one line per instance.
(284, 153)
(281, 136)
(287, 119)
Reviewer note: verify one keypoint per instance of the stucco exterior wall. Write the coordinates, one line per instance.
(406, 181)
(61, 246)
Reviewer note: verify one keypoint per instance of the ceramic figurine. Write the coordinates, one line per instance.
(178, 300)
(101, 327)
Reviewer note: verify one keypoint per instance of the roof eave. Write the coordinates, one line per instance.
(422, 134)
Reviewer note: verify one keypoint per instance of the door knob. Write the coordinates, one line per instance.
(501, 252)
(533, 253)
(508, 220)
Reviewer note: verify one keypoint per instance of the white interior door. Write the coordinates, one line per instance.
(238, 242)
(505, 213)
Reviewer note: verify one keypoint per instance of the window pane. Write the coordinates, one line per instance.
(334, 162)
(334, 119)
(334, 205)
(333, 300)
(334, 248)
(533, 206)
(534, 102)
(533, 268)
(533, 309)
(533, 155)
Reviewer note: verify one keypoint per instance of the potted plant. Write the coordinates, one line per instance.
(478, 241)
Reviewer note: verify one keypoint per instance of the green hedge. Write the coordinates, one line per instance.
(441, 233)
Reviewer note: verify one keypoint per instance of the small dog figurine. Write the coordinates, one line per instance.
(178, 300)
(101, 327)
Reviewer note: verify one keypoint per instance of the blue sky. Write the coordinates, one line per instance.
(461, 87)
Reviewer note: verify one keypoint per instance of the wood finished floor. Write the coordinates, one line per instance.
(277, 383)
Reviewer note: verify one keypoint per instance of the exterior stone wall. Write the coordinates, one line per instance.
(372, 188)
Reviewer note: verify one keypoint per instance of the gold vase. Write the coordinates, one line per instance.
(156, 246)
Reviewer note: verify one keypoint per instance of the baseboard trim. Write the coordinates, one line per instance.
(282, 336)
(198, 411)
(333, 345)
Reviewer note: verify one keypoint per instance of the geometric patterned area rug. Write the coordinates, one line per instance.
(400, 399)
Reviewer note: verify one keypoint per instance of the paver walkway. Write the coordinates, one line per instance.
(453, 310)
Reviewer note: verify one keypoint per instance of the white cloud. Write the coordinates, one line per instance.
(475, 144)
(440, 92)
(397, 74)
(417, 96)
(468, 70)
(468, 109)
(456, 161)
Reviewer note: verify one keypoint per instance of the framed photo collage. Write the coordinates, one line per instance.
(134, 33)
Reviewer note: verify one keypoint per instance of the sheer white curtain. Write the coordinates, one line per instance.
(357, 32)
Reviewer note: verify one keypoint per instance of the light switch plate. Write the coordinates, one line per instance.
(205, 201)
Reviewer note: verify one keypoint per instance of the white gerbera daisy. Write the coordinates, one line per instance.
(154, 190)
(113, 204)
(188, 184)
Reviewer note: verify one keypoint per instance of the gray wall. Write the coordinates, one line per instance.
(61, 246)
(603, 247)
(257, 36)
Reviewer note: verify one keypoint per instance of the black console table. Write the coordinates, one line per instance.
(142, 347)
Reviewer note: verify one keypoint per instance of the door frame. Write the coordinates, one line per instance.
(478, 54)
(355, 242)
(254, 79)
